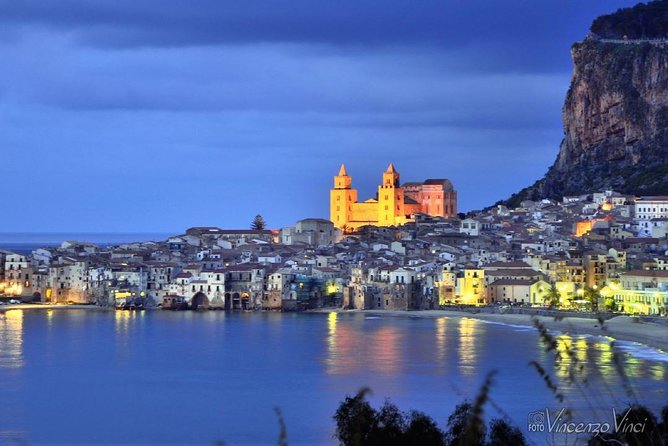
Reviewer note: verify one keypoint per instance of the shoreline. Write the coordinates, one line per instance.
(10, 307)
(619, 328)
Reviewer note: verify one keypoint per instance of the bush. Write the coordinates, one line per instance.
(359, 424)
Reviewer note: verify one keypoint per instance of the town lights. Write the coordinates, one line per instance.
(11, 290)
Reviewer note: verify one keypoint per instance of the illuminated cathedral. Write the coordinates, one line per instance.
(394, 205)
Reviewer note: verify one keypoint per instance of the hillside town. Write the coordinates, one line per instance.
(599, 252)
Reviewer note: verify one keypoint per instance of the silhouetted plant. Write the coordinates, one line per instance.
(388, 427)
(475, 430)
(503, 434)
(354, 419)
(458, 423)
(422, 429)
(283, 433)
(358, 424)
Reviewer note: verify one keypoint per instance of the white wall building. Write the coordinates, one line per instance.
(648, 208)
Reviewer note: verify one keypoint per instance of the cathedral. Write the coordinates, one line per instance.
(394, 204)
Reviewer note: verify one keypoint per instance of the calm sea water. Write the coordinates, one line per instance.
(25, 243)
(96, 377)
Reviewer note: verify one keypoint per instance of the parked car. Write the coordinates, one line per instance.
(14, 301)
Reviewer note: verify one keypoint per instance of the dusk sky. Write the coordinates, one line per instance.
(158, 115)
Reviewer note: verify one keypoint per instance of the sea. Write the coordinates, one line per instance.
(202, 378)
(26, 242)
(96, 377)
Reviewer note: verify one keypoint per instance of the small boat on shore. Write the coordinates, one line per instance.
(132, 304)
(174, 303)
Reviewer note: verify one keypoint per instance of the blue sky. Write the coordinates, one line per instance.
(157, 115)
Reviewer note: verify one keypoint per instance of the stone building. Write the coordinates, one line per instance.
(393, 205)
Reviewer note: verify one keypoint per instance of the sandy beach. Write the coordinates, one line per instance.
(623, 328)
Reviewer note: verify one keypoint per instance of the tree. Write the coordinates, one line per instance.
(553, 297)
(258, 223)
(359, 424)
(388, 426)
(460, 430)
(502, 434)
(354, 419)
(592, 295)
(423, 430)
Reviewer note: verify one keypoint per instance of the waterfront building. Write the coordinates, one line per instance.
(278, 289)
(642, 292)
(205, 289)
(68, 281)
(519, 291)
(471, 286)
(17, 275)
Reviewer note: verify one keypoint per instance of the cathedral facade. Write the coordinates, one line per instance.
(394, 204)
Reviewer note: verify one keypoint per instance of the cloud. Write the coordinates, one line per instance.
(386, 89)
(515, 27)
(147, 108)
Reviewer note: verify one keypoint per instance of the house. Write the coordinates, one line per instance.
(470, 226)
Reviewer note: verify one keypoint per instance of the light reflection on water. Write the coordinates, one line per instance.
(212, 363)
(11, 339)
(467, 345)
(351, 348)
(441, 340)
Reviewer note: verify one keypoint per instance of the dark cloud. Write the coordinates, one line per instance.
(520, 30)
(206, 112)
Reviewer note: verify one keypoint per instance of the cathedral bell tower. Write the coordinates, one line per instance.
(341, 199)
(390, 199)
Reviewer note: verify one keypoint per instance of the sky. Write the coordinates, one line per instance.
(159, 115)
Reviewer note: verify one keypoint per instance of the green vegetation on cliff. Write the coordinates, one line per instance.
(643, 21)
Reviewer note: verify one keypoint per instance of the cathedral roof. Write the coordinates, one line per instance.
(342, 171)
(391, 169)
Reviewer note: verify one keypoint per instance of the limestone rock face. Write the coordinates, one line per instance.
(615, 121)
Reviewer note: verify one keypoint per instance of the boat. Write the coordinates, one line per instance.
(174, 303)
(132, 304)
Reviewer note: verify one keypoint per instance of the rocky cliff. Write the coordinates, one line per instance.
(616, 111)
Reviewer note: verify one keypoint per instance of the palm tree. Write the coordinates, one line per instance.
(553, 297)
(592, 294)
